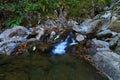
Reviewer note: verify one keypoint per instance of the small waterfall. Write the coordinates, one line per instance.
(61, 47)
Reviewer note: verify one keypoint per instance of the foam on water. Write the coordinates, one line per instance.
(61, 47)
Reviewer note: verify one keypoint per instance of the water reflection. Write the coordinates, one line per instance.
(41, 67)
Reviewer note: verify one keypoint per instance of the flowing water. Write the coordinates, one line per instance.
(42, 66)
(61, 47)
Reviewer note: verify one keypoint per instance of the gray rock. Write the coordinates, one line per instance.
(107, 15)
(107, 19)
(108, 63)
(99, 22)
(10, 39)
(118, 47)
(80, 37)
(36, 32)
(113, 42)
(40, 33)
(106, 33)
(17, 31)
(101, 45)
(9, 48)
(76, 28)
(87, 26)
(52, 35)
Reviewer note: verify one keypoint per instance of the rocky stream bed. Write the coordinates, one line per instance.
(95, 41)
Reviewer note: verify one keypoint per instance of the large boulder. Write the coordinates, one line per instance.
(99, 22)
(108, 63)
(101, 45)
(87, 26)
(11, 38)
(106, 33)
(107, 19)
(16, 32)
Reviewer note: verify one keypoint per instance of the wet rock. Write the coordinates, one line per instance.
(80, 37)
(87, 26)
(99, 22)
(17, 31)
(101, 45)
(11, 38)
(115, 26)
(40, 33)
(9, 48)
(52, 35)
(118, 47)
(107, 15)
(113, 42)
(106, 33)
(91, 51)
(76, 28)
(36, 32)
(108, 63)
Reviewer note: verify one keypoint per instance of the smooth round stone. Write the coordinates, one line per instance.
(80, 37)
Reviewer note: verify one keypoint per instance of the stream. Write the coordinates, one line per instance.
(50, 51)
(60, 65)
(43, 67)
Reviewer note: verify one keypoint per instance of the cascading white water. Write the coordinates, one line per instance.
(60, 48)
